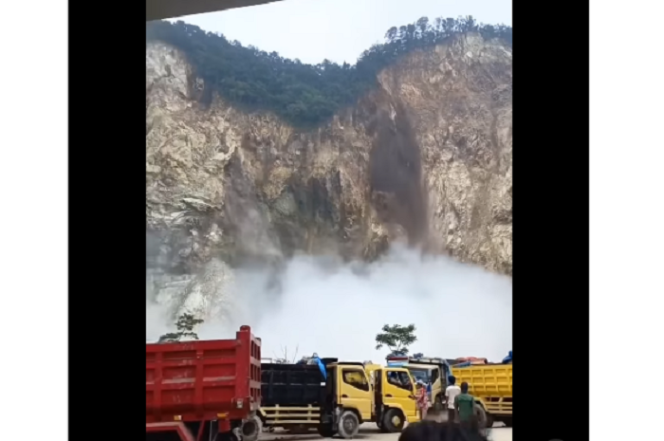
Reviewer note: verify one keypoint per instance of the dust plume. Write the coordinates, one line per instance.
(395, 171)
(336, 309)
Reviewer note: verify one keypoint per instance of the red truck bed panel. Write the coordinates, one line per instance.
(198, 380)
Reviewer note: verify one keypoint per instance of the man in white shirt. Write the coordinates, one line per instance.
(450, 394)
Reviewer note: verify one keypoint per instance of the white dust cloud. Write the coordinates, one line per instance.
(336, 310)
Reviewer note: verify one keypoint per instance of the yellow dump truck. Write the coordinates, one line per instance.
(492, 383)
(357, 394)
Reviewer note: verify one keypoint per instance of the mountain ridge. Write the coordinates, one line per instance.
(304, 95)
(424, 158)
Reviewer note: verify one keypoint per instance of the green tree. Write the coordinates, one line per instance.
(185, 325)
(391, 34)
(422, 24)
(397, 338)
(304, 95)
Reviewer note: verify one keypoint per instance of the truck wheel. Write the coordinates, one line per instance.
(507, 421)
(348, 425)
(326, 430)
(438, 403)
(481, 416)
(489, 420)
(393, 421)
(381, 426)
(252, 428)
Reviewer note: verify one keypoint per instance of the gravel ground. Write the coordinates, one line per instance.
(369, 431)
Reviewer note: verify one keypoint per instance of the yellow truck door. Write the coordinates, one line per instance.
(438, 385)
(399, 391)
(353, 390)
(436, 376)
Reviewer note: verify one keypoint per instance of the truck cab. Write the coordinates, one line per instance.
(348, 400)
(431, 370)
(394, 399)
(355, 395)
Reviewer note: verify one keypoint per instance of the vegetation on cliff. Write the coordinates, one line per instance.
(305, 95)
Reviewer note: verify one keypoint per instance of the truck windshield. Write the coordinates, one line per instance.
(420, 374)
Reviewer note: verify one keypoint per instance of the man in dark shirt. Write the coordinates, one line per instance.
(465, 406)
(429, 430)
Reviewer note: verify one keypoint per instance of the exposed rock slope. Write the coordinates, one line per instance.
(426, 157)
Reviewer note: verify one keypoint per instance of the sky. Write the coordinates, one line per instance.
(337, 30)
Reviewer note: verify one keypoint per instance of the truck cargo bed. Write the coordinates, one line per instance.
(298, 385)
(487, 380)
(199, 380)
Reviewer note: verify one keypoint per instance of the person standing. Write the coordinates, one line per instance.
(451, 393)
(464, 404)
(422, 399)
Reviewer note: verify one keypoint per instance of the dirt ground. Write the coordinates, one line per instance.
(369, 431)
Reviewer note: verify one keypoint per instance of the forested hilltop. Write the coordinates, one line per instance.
(305, 95)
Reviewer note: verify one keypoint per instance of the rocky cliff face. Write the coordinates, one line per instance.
(425, 158)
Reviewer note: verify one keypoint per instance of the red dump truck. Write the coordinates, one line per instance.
(202, 390)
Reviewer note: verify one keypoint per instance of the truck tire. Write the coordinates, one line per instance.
(326, 430)
(489, 420)
(438, 403)
(252, 428)
(381, 426)
(393, 421)
(507, 421)
(348, 425)
(481, 416)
